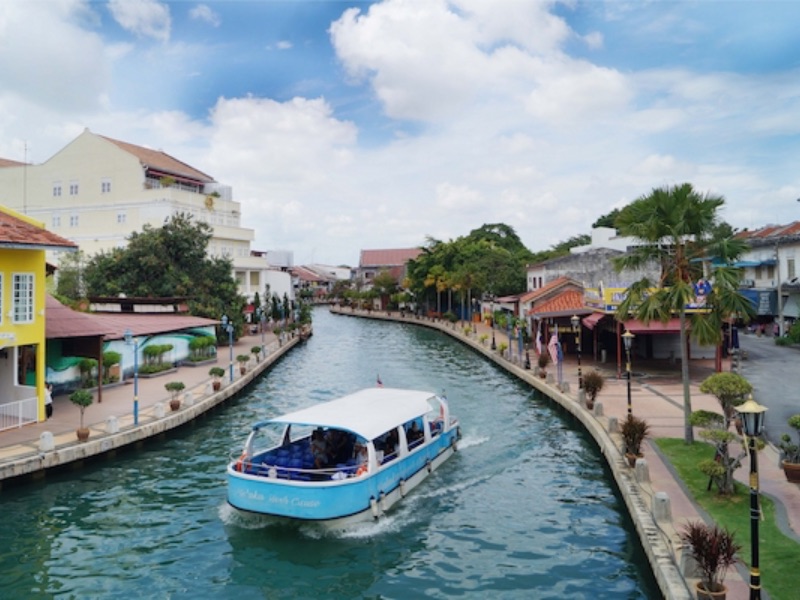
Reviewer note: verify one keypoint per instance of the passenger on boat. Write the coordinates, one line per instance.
(319, 449)
(414, 433)
(336, 441)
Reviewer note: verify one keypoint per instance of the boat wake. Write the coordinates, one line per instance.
(468, 441)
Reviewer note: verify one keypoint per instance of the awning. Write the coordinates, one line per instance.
(592, 320)
(637, 327)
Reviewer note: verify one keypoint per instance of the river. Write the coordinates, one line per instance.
(525, 509)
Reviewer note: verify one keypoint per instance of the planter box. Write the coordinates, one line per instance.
(198, 363)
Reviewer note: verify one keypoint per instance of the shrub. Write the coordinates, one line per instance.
(174, 388)
(82, 399)
(593, 383)
(216, 372)
(791, 451)
(713, 548)
(634, 430)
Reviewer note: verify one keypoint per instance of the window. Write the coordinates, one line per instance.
(73, 188)
(758, 272)
(105, 186)
(56, 220)
(121, 218)
(790, 267)
(73, 220)
(770, 272)
(56, 189)
(23, 298)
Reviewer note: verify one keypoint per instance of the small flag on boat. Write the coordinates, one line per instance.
(379, 383)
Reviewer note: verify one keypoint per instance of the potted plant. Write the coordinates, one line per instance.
(256, 352)
(501, 348)
(543, 360)
(217, 373)
(791, 452)
(714, 550)
(111, 368)
(243, 359)
(174, 388)
(633, 431)
(82, 399)
(593, 382)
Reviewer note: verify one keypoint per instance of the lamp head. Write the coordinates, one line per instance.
(128, 336)
(224, 320)
(575, 320)
(627, 338)
(752, 416)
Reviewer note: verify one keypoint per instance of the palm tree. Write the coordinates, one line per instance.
(676, 227)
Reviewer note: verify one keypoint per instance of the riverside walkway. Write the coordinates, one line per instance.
(33, 449)
(657, 500)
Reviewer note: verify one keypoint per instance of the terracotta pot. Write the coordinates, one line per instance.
(632, 458)
(216, 385)
(704, 594)
(242, 370)
(792, 471)
(82, 433)
(174, 404)
(589, 404)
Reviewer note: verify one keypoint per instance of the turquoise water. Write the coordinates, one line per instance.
(524, 509)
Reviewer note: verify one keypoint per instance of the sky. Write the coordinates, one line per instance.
(344, 125)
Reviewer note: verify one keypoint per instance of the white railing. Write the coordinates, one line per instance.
(19, 413)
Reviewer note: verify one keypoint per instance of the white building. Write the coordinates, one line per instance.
(96, 191)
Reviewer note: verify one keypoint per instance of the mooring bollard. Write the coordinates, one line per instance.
(112, 424)
(662, 511)
(598, 409)
(159, 410)
(46, 442)
(642, 471)
(613, 425)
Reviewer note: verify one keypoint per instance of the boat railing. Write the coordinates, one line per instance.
(275, 469)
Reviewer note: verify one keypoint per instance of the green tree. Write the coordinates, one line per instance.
(674, 227)
(70, 284)
(168, 261)
(384, 284)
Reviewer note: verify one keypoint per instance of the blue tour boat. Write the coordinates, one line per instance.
(343, 461)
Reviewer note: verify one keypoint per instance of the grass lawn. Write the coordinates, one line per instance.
(779, 555)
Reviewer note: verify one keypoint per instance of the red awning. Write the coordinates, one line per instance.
(592, 320)
(671, 326)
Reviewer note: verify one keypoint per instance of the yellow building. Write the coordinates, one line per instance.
(23, 271)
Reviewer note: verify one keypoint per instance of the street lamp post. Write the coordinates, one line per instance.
(130, 340)
(494, 345)
(753, 424)
(227, 325)
(627, 338)
(576, 327)
(262, 319)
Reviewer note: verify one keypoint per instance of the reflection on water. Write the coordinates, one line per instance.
(523, 510)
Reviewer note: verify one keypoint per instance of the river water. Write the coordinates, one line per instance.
(523, 510)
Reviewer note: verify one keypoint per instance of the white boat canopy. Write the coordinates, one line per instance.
(368, 413)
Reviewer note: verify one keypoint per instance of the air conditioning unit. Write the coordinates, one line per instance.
(748, 283)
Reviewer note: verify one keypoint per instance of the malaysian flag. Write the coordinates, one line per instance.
(538, 337)
(554, 347)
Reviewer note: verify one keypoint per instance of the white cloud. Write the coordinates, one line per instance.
(203, 12)
(284, 45)
(145, 18)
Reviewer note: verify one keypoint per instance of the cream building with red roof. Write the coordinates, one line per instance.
(96, 191)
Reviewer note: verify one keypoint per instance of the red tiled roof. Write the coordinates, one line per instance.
(63, 322)
(548, 288)
(388, 258)
(568, 302)
(7, 162)
(161, 161)
(15, 232)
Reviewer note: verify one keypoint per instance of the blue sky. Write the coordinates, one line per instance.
(346, 125)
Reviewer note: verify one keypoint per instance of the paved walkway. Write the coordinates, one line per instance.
(118, 401)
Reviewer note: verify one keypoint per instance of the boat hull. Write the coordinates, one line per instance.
(344, 501)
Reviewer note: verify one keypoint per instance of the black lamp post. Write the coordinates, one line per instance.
(576, 327)
(494, 345)
(262, 319)
(130, 340)
(627, 338)
(753, 424)
(227, 325)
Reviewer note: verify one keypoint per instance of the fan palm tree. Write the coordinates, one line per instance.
(676, 227)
